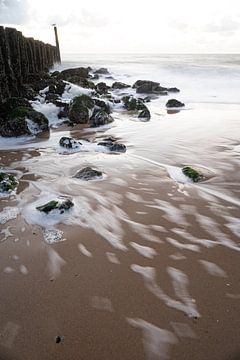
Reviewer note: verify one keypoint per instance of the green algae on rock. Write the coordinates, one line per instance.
(193, 174)
(56, 205)
(88, 174)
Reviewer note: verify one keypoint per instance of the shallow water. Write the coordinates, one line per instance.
(145, 265)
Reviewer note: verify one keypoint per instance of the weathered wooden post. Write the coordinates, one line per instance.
(57, 43)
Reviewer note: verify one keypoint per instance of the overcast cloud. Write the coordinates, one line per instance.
(129, 25)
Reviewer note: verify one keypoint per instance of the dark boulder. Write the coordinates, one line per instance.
(144, 115)
(102, 71)
(95, 77)
(8, 182)
(100, 117)
(132, 104)
(23, 121)
(102, 88)
(51, 97)
(80, 72)
(119, 85)
(40, 122)
(85, 83)
(8, 107)
(101, 104)
(79, 109)
(149, 87)
(174, 103)
(69, 143)
(55, 73)
(173, 90)
(145, 86)
(56, 205)
(113, 146)
(88, 174)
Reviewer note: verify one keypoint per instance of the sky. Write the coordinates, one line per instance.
(129, 26)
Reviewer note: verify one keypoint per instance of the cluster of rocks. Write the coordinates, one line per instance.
(110, 143)
(19, 118)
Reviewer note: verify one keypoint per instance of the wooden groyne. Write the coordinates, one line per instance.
(21, 58)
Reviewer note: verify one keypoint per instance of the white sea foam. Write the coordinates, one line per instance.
(23, 269)
(84, 250)
(112, 258)
(50, 110)
(55, 263)
(144, 250)
(180, 283)
(213, 269)
(156, 341)
(8, 213)
(52, 236)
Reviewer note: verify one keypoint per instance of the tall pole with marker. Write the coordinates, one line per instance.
(57, 43)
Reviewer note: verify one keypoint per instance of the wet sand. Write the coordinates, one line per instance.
(148, 268)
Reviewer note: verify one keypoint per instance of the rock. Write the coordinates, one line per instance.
(102, 88)
(69, 143)
(145, 114)
(28, 92)
(8, 182)
(39, 120)
(114, 147)
(81, 72)
(64, 110)
(8, 107)
(88, 174)
(119, 85)
(79, 109)
(23, 121)
(55, 73)
(192, 174)
(145, 86)
(149, 87)
(95, 77)
(58, 339)
(56, 205)
(101, 104)
(163, 93)
(102, 71)
(100, 117)
(132, 104)
(174, 103)
(173, 89)
(85, 83)
(50, 97)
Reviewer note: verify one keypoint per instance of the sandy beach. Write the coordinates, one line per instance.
(145, 266)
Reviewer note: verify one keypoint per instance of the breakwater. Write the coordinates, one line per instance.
(20, 59)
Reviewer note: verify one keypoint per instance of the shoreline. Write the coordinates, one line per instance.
(145, 266)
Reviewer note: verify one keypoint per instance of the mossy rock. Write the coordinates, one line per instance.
(8, 107)
(20, 111)
(79, 109)
(193, 174)
(100, 117)
(144, 115)
(88, 174)
(132, 104)
(8, 182)
(55, 205)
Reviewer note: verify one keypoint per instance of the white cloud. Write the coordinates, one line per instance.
(129, 25)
